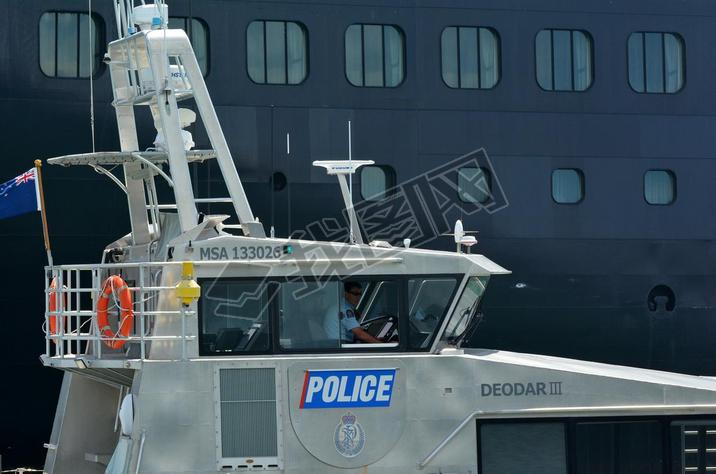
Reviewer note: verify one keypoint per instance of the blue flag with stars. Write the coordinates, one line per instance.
(19, 195)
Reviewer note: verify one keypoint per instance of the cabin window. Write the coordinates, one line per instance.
(564, 60)
(308, 312)
(278, 315)
(234, 316)
(659, 187)
(198, 33)
(465, 310)
(656, 62)
(470, 57)
(632, 446)
(375, 55)
(567, 186)
(277, 52)
(325, 314)
(595, 445)
(376, 181)
(518, 448)
(65, 44)
(474, 184)
(428, 300)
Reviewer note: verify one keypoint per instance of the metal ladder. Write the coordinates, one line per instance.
(158, 69)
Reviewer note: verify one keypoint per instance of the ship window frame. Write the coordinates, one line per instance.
(189, 30)
(403, 55)
(645, 66)
(458, 60)
(442, 322)
(590, 40)
(582, 184)
(666, 423)
(264, 50)
(100, 37)
(358, 347)
(488, 178)
(273, 285)
(390, 179)
(674, 186)
(452, 321)
(272, 293)
(522, 421)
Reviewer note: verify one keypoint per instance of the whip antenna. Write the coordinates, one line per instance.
(91, 72)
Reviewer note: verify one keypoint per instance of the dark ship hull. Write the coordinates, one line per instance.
(583, 275)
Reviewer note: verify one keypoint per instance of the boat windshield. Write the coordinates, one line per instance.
(429, 299)
(464, 312)
(234, 316)
(393, 313)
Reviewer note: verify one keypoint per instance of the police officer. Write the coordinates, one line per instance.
(348, 327)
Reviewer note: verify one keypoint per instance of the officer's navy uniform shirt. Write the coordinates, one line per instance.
(348, 322)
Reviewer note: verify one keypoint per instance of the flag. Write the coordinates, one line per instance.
(20, 195)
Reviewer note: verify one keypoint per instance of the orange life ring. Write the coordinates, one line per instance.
(115, 286)
(52, 305)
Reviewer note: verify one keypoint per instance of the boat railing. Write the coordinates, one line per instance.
(71, 327)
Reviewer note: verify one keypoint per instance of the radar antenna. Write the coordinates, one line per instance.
(461, 237)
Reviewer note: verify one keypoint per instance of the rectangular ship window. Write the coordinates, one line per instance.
(567, 186)
(656, 62)
(65, 44)
(631, 446)
(303, 308)
(660, 187)
(277, 52)
(564, 60)
(429, 299)
(519, 448)
(351, 314)
(374, 55)
(474, 184)
(234, 317)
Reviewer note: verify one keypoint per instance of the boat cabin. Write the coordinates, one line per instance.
(200, 346)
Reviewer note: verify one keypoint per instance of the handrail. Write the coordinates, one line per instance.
(543, 412)
(212, 200)
(87, 312)
(72, 329)
(131, 288)
(73, 337)
(72, 326)
(105, 266)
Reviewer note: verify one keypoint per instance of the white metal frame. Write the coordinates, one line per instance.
(142, 75)
(77, 323)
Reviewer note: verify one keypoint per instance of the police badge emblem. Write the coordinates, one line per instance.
(349, 437)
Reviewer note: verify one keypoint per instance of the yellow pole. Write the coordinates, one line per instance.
(45, 232)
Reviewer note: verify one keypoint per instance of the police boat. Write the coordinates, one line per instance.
(199, 346)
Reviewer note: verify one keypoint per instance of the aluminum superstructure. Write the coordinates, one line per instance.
(202, 346)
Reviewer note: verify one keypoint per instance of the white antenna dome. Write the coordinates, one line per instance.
(458, 233)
